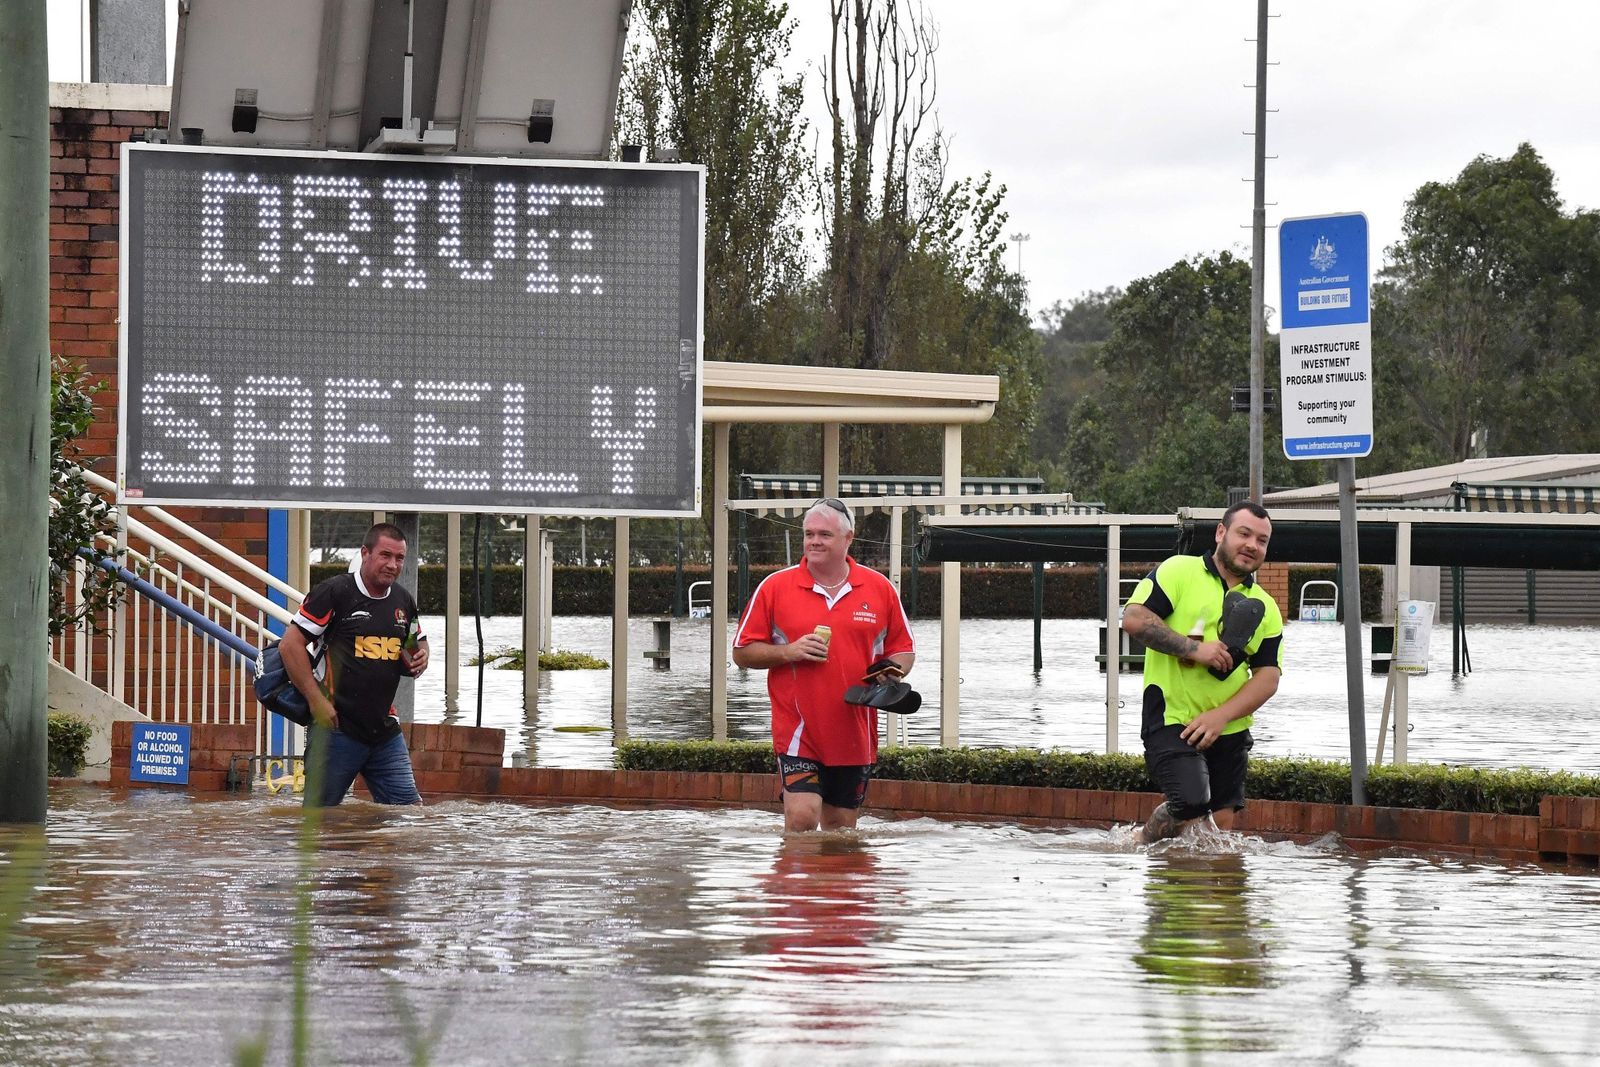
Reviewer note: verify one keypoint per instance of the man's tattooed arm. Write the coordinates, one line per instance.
(1146, 626)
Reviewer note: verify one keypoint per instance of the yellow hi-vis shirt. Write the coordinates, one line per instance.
(1186, 592)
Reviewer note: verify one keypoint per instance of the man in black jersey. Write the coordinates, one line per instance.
(369, 630)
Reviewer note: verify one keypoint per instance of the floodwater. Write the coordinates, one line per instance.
(1526, 702)
(159, 928)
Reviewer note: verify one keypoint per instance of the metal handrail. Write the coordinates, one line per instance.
(244, 565)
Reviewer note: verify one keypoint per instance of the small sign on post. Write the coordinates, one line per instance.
(160, 754)
(1325, 361)
(1413, 629)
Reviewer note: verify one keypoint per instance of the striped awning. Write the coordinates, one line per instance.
(1528, 497)
(804, 490)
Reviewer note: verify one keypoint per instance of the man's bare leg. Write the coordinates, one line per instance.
(802, 811)
(839, 818)
(1162, 824)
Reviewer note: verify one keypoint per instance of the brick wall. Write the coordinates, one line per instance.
(466, 761)
(88, 123)
(1274, 578)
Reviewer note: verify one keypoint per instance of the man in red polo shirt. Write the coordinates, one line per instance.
(826, 747)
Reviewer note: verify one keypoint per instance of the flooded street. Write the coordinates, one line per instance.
(1519, 707)
(156, 928)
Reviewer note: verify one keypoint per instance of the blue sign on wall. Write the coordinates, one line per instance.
(160, 753)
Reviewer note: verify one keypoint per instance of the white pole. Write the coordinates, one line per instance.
(1113, 632)
(719, 581)
(619, 635)
(830, 459)
(1402, 571)
(950, 606)
(452, 612)
(532, 597)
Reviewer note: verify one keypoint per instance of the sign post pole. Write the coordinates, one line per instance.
(1325, 359)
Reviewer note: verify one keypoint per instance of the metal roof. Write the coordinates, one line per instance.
(757, 392)
(1435, 486)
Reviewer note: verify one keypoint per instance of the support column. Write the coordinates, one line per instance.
(452, 613)
(25, 407)
(950, 607)
(719, 582)
(896, 546)
(410, 523)
(532, 597)
(1402, 592)
(830, 459)
(1113, 633)
(619, 634)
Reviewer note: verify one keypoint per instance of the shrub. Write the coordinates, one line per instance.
(67, 744)
(79, 517)
(512, 659)
(1512, 792)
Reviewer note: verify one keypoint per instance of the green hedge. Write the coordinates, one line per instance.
(66, 744)
(1512, 792)
(986, 592)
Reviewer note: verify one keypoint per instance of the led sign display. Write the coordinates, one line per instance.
(409, 333)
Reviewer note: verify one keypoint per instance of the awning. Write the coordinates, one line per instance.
(1433, 544)
(803, 490)
(1525, 497)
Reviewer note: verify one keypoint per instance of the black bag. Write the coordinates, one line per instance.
(276, 692)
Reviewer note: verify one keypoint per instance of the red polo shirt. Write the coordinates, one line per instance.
(809, 715)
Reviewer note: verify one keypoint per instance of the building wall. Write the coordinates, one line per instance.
(88, 124)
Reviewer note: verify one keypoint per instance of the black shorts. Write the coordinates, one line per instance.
(840, 787)
(1197, 783)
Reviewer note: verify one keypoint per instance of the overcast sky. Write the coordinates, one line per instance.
(1117, 125)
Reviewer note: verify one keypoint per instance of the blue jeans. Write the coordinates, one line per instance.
(385, 767)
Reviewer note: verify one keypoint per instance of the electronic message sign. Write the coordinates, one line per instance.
(410, 333)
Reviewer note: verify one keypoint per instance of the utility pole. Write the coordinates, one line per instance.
(1258, 246)
(1021, 239)
(24, 406)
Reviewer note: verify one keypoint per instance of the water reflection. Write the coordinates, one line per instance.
(823, 891)
(1200, 933)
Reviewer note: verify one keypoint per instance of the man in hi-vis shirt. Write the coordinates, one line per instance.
(1213, 643)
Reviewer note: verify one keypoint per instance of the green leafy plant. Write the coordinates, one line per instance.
(78, 514)
(1474, 789)
(514, 659)
(67, 744)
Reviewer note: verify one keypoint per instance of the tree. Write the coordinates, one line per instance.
(80, 518)
(1152, 431)
(704, 77)
(1070, 340)
(1485, 318)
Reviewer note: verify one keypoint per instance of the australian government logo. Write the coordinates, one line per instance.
(1323, 256)
(1328, 296)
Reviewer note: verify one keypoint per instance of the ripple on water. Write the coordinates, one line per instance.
(593, 935)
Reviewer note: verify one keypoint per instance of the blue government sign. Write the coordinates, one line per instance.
(160, 753)
(1325, 347)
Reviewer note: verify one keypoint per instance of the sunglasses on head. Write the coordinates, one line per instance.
(836, 504)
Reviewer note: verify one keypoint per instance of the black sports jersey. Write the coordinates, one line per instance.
(362, 637)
